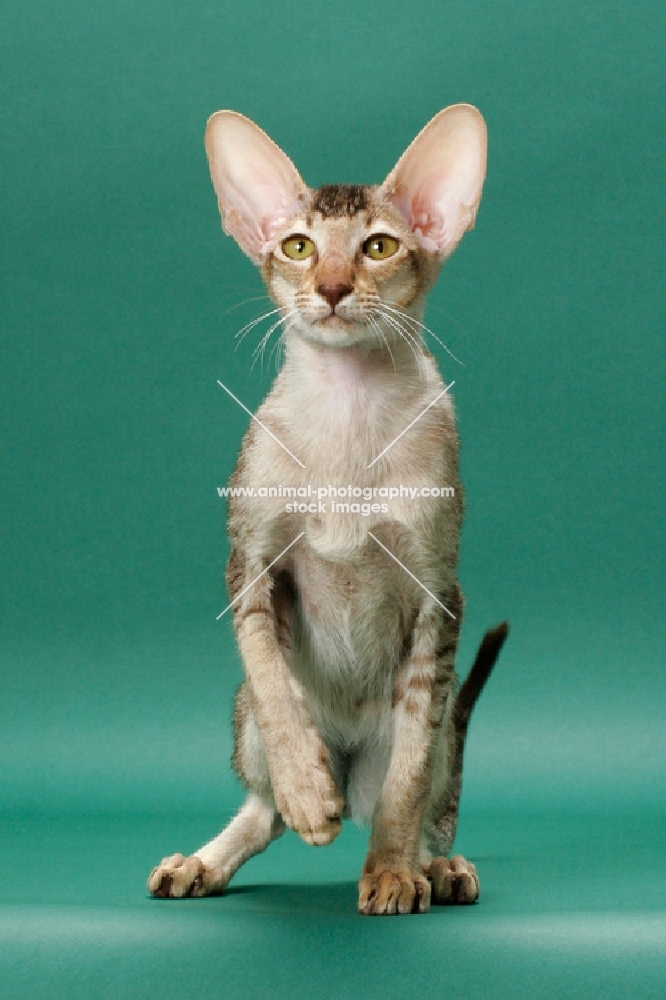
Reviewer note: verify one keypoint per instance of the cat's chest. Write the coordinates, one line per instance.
(352, 620)
(365, 459)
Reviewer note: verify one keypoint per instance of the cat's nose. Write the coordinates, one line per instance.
(333, 293)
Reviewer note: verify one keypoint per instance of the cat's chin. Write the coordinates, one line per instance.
(336, 332)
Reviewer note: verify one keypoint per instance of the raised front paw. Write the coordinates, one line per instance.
(454, 882)
(391, 890)
(308, 799)
(177, 877)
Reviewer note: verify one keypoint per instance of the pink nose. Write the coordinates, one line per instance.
(333, 293)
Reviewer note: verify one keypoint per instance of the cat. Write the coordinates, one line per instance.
(347, 623)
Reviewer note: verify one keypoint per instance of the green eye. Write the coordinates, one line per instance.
(380, 247)
(298, 247)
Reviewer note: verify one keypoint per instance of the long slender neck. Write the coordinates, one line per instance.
(343, 405)
(356, 373)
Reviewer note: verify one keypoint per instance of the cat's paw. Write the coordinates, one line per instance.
(308, 799)
(177, 877)
(392, 890)
(454, 882)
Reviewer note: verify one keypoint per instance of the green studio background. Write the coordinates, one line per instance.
(118, 289)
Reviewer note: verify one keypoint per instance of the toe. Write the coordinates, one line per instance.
(393, 892)
(467, 881)
(421, 897)
(176, 877)
(390, 888)
(367, 893)
(454, 882)
(442, 879)
(185, 875)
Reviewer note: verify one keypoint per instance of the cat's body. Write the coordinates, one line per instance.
(348, 622)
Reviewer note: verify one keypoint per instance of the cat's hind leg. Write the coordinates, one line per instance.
(455, 881)
(210, 869)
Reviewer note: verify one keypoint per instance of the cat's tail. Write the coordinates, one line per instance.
(469, 692)
(443, 830)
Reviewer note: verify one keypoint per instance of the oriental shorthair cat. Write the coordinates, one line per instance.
(347, 620)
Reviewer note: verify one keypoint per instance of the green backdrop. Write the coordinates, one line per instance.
(117, 293)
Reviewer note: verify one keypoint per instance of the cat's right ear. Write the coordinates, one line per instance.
(258, 187)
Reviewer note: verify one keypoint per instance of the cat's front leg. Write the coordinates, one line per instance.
(302, 785)
(393, 880)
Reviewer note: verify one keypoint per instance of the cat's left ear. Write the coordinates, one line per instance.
(437, 182)
(258, 187)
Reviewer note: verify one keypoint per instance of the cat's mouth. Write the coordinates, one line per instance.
(334, 319)
(333, 328)
(337, 331)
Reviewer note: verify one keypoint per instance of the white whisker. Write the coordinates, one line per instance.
(409, 338)
(261, 346)
(404, 315)
(278, 346)
(255, 298)
(242, 333)
(376, 326)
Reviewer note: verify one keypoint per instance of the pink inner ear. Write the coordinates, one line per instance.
(437, 182)
(423, 212)
(258, 188)
(266, 202)
(420, 208)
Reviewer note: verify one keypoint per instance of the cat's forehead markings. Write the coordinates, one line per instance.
(335, 200)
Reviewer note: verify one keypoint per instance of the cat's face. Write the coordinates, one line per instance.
(344, 261)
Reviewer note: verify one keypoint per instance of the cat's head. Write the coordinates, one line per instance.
(340, 258)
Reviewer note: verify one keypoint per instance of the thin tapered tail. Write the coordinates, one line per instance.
(446, 824)
(486, 658)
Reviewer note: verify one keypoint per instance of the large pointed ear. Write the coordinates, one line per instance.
(258, 188)
(436, 184)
